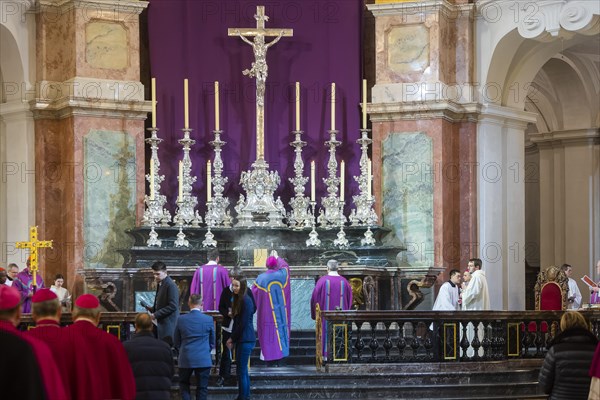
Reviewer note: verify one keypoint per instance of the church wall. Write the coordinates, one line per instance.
(17, 72)
(88, 82)
(55, 51)
(451, 170)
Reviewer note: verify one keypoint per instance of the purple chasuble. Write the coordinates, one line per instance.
(209, 281)
(272, 297)
(330, 292)
(24, 284)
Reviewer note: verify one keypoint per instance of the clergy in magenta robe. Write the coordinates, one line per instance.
(24, 284)
(209, 281)
(98, 364)
(332, 292)
(273, 308)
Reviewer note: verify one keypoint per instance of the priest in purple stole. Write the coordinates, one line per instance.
(24, 284)
(331, 292)
(209, 281)
(272, 296)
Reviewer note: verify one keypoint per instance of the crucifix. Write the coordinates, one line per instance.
(259, 66)
(33, 245)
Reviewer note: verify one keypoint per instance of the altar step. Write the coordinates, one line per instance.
(302, 350)
(304, 382)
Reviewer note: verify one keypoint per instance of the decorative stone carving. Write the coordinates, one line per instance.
(408, 48)
(547, 20)
(106, 45)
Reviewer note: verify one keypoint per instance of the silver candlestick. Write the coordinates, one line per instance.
(331, 214)
(364, 214)
(185, 215)
(341, 240)
(313, 236)
(155, 212)
(299, 217)
(181, 241)
(209, 238)
(217, 210)
(153, 240)
(368, 240)
(259, 208)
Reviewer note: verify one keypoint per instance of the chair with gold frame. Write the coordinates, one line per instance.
(551, 290)
(551, 293)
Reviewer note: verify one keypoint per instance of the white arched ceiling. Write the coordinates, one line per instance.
(567, 89)
(10, 64)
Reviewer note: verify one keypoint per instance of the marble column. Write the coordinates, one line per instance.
(569, 201)
(501, 203)
(18, 178)
(89, 130)
(423, 116)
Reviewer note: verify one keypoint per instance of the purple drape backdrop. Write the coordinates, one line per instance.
(188, 39)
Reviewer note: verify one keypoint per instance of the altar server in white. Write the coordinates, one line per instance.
(447, 298)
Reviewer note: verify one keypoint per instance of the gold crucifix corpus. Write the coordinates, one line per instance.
(259, 67)
(33, 245)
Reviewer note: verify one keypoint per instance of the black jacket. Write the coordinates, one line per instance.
(565, 372)
(225, 303)
(152, 363)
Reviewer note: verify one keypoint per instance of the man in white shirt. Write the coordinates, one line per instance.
(447, 298)
(574, 296)
(476, 295)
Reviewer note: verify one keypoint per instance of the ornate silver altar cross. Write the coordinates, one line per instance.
(260, 209)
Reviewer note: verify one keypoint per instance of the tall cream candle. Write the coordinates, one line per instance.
(297, 106)
(342, 175)
(208, 181)
(312, 180)
(153, 102)
(217, 105)
(180, 180)
(333, 106)
(369, 179)
(186, 107)
(364, 104)
(152, 179)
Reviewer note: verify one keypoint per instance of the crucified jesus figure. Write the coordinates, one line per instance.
(259, 66)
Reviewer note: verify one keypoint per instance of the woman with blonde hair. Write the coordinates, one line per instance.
(564, 374)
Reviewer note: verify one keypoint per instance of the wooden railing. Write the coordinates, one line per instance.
(429, 336)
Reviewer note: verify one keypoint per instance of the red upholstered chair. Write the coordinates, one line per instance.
(551, 291)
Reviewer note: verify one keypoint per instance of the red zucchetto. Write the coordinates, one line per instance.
(9, 297)
(43, 295)
(87, 301)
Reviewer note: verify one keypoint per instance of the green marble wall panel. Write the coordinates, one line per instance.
(109, 197)
(408, 194)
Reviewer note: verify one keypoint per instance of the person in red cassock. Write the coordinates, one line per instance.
(28, 367)
(46, 311)
(98, 364)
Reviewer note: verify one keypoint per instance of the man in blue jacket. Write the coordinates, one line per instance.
(195, 338)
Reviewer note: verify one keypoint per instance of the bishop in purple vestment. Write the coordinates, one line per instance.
(24, 284)
(273, 303)
(331, 292)
(209, 281)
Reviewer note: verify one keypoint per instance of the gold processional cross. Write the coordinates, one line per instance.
(259, 67)
(33, 245)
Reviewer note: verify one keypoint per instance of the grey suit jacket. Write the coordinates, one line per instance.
(166, 307)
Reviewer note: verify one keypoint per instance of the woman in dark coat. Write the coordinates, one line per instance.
(243, 335)
(565, 372)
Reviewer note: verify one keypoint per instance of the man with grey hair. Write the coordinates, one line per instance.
(332, 292)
